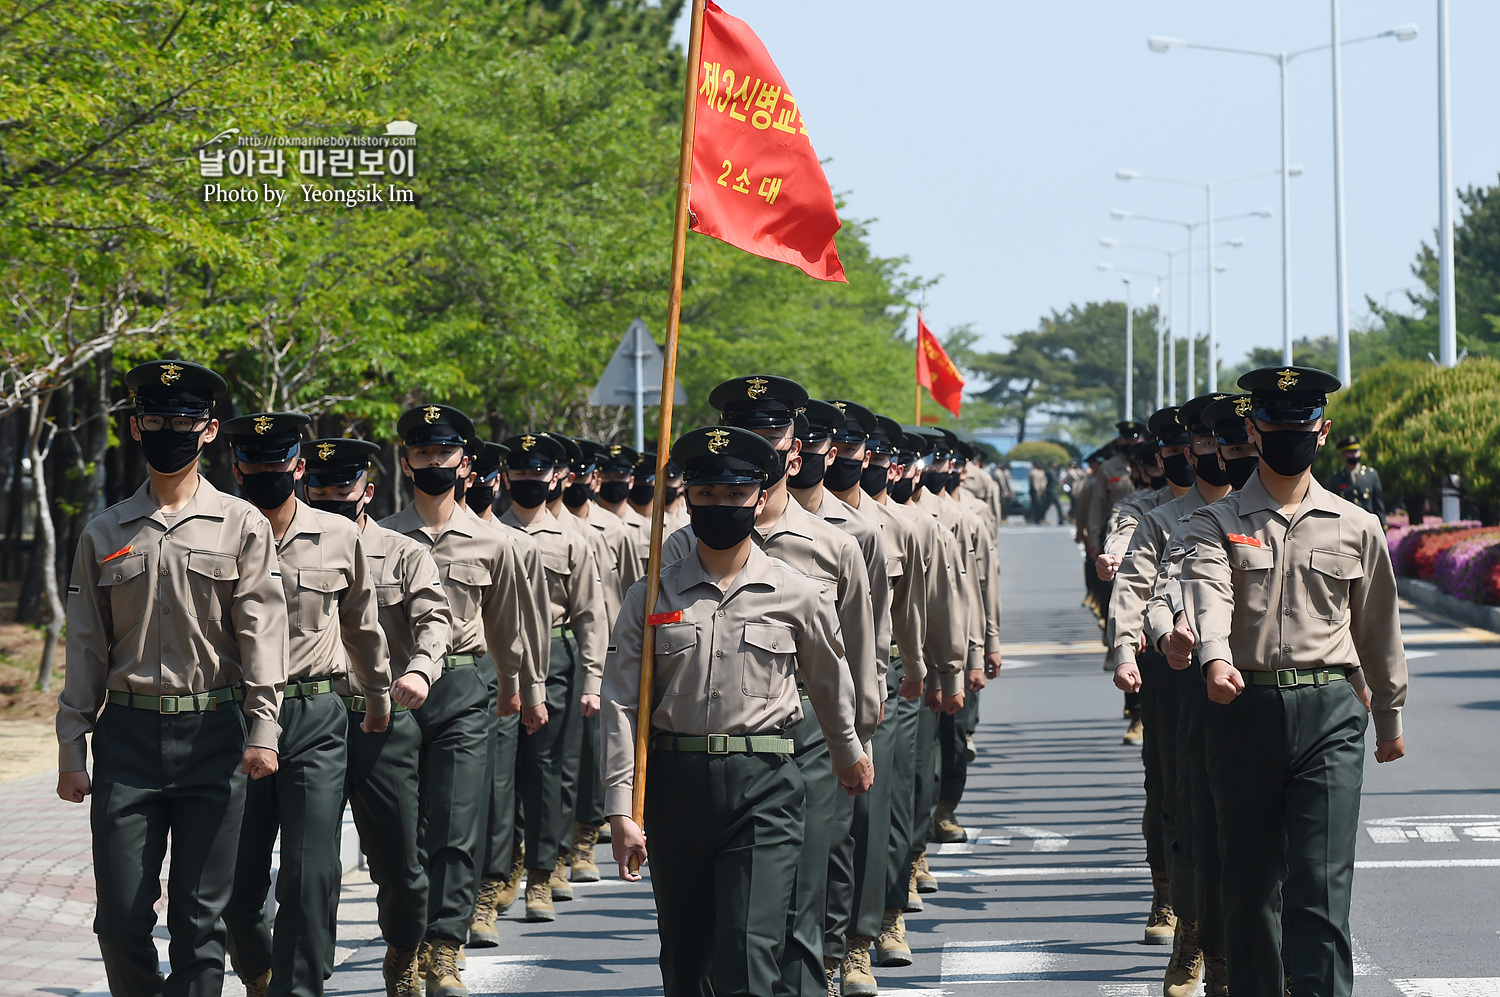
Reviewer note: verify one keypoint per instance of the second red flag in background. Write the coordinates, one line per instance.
(757, 183)
(935, 371)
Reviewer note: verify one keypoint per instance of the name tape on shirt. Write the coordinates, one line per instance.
(119, 553)
(1239, 538)
(657, 619)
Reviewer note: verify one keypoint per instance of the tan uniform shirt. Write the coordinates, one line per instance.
(575, 591)
(413, 606)
(171, 605)
(730, 666)
(866, 533)
(1140, 575)
(1128, 515)
(973, 533)
(1083, 498)
(639, 529)
(331, 608)
(489, 596)
(618, 564)
(950, 518)
(827, 555)
(934, 625)
(1114, 484)
(1314, 591)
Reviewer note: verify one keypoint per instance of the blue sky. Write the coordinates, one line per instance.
(983, 138)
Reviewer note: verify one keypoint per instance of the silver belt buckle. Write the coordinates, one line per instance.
(162, 701)
(1286, 678)
(718, 744)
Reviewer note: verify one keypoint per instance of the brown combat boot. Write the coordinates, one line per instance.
(856, 979)
(512, 887)
(402, 978)
(1185, 970)
(926, 881)
(891, 948)
(947, 826)
(561, 888)
(1135, 732)
(581, 858)
(539, 896)
(1161, 925)
(831, 974)
(483, 932)
(441, 967)
(913, 896)
(258, 986)
(605, 833)
(1216, 977)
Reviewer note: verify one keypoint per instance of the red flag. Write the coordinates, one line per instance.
(935, 371)
(757, 184)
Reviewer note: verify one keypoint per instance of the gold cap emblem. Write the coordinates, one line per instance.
(528, 442)
(718, 440)
(1242, 406)
(263, 424)
(1286, 379)
(326, 451)
(170, 372)
(614, 449)
(843, 407)
(756, 386)
(431, 414)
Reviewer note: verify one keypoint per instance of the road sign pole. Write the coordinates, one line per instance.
(639, 355)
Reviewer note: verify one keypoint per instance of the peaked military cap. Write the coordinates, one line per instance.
(265, 437)
(1349, 443)
(174, 387)
(589, 454)
(1226, 417)
(887, 436)
(819, 421)
(859, 422)
(1129, 429)
(1095, 458)
(724, 455)
(338, 461)
(434, 425)
(571, 450)
(759, 401)
(1145, 451)
(534, 452)
(617, 458)
(1191, 413)
(1289, 394)
(1168, 429)
(487, 458)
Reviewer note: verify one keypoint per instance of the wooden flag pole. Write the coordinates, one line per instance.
(664, 436)
(918, 420)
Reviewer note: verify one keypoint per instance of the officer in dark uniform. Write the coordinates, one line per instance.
(1358, 482)
(173, 605)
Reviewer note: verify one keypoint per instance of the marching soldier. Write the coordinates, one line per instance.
(1358, 482)
(616, 478)
(333, 628)
(643, 493)
(490, 602)
(548, 759)
(482, 486)
(173, 605)
(725, 802)
(385, 769)
(1290, 593)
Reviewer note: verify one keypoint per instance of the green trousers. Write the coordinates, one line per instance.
(498, 831)
(383, 787)
(805, 914)
(871, 831)
(303, 803)
(724, 833)
(929, 779)
(1208, 867)
(906, 832)
(590, 808)
(455, 759)
(155, 775)
(953, 731)
(1177, 802)
(1154, 744)
(1287, 767)
(547, 762)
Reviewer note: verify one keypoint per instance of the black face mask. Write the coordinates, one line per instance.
(954, 480)
(434, 480)
(1209, 471)
(1157, 482)
(267, 489)
(1179, 471)
(577, 495)
(671, 494)
(779, 471)
(1289, 452)
(814, 467)
(168, 451)
(843, 474)
(722, 526)
(614, 492)
(460, 488)
(643, 494)
(874, 479)
(935, 481)
(1351, 459)
(528, 493)
(481, 497)
(348, 508)
(1241, 469)
(555, 492)
(901, 490)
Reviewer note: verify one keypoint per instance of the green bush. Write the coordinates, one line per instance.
(1355, 409)
(1044, 450)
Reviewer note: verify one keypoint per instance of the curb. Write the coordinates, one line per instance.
(1427, 595)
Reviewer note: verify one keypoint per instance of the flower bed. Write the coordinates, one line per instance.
(1470, 569)
(1405, 544)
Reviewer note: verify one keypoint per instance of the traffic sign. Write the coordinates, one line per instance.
(633, 377)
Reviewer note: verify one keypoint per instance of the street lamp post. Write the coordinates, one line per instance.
(1129, 356)
(1402, 33)
(1447, 319)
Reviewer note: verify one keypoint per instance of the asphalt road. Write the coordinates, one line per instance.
(1050, 894)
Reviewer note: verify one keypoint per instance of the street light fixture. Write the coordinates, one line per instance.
(1402, 33)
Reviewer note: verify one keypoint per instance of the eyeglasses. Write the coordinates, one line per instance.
(178, 423)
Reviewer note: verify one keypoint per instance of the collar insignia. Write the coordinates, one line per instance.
(528, 442)
(326, 451)
(718, 440)
(1286, 379)
(263, 424)
(756, 386)
(170, 372)
(431, 414)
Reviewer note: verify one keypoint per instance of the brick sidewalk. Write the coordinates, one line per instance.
(46, 891)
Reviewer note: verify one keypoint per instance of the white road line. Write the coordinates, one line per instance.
(1475, 987)
(1128, 990)
(1363, 964)
(996, 962)
(499, 974)
(1009, 872)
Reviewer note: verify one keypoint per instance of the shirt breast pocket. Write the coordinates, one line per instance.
(676, 646)
(1328, 583)
(318, 592)
(769, 653)
(210, 579)
(465, 582)
(124, 582)
(1254, 575)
